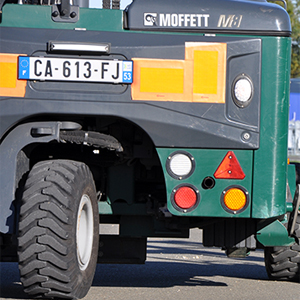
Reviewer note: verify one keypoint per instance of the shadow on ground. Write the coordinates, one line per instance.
(172, 263)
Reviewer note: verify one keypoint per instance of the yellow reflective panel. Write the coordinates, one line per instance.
(162, 80)
(205, 72)
(209, 71)
(8, 75)
(200, 77)
(10, 86)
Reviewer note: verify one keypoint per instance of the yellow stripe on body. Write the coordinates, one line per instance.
(162, 80)
(205, 72)
(201, 77)
(10, 86)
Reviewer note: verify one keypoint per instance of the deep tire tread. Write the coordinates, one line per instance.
(46, 253)
(283, 263)
(31, 234)
(51, 272)
(55, 244)
(57, 286)
(31, 219)
(54, 227)
(33, 265)
(33, 279)
(55, 211)
(30, 251)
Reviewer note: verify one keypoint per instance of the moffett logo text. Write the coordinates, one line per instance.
(176, 20)
(150, 19)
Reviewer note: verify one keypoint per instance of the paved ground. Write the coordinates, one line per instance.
(176, 269)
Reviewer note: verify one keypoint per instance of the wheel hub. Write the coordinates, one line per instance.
(84, 234)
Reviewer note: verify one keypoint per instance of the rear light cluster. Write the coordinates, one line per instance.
(186, 197)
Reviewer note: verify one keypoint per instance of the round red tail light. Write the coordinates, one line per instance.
(185, 198)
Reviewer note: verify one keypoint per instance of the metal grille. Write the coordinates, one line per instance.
(115, 4)
(39, 2)
(111, 4)
(106, 4)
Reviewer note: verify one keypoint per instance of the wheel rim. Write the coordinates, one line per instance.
(84, 234)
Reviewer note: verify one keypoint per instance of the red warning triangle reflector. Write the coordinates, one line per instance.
(229, 168)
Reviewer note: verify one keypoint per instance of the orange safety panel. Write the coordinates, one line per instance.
(9, 84)
(201, 77)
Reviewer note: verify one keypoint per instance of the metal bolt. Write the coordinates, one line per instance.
(246, 136)
(73, 14)
(55, 14)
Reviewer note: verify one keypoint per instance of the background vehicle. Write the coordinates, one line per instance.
(294, 123)
(167, 116)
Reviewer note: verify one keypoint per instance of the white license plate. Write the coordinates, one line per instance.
(64, 69)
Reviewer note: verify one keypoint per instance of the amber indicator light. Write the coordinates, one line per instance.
(235, 199)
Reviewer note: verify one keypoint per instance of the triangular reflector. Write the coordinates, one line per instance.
(229, 168)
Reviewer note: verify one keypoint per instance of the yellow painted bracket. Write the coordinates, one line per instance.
(200, 77)
(9, 84)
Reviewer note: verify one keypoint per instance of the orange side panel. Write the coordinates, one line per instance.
(9, 84)
(161, 80)
(209, 70)
(201, 77)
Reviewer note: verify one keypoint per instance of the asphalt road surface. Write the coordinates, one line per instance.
(176, 269)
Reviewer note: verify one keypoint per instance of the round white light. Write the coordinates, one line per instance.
(243, 90)
(180, 164)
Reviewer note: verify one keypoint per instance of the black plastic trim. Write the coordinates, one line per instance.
(221, 31)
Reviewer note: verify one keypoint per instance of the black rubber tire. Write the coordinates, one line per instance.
(283, 263)
(48, 256)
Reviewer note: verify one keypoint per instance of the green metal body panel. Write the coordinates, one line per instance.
(207, 162)
(269, 179)
(270, 160)
(274, 234)
(90, 19)
(292, 179)
(265, 168)
(268, 190)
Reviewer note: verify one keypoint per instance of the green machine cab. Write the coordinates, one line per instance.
(162, 117)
